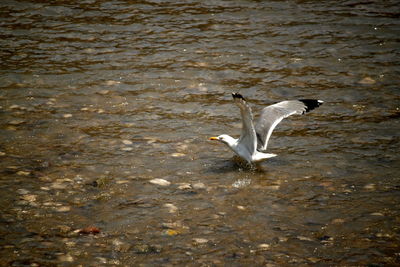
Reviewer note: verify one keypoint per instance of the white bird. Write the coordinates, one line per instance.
(253, 141)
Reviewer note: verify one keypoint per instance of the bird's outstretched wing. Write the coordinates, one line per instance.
(248, 137)
(274, 114)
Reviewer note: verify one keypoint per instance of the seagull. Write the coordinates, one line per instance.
(253, 141)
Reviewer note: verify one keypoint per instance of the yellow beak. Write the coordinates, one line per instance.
(213, 138)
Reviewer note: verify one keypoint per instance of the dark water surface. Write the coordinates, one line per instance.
(98, 98)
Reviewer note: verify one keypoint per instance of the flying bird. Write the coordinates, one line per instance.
(253, 141)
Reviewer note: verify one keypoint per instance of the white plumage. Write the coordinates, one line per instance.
(253, 141)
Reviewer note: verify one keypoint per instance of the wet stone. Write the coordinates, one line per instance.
(10, 168)
(129, 124)
(16, 122)
(14, 107)
(67, 116)
(101, 260)
(216, 216)
(203, 89)
(120, 245)
(104, 92)
(111, 82)
(70, 244)
(263, 246)
(127, 142)
(304, 238)
(370, 187)
(184, 186)
(377, 214)
(101, 182)
(383, 235)
(58, 185)
(2, 153)
(114, 262)
(79, 179)
(161, 182)
(64, 228)
(45, 179)
(23, 173)
(200, 240)
(22, 191)
(122, 182)
(199, 186)
(145, 249)
(88, 230)
(65, 258)
(171, 207)
(367, 81)
(359, 108)
(29, 198)
(63, 209)
(177, 155)
(50, 204)
(182, 147)
(338, 221)
(313, 260)
(174, 228)
(170, 232)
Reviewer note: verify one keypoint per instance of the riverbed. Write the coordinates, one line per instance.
(106, 109)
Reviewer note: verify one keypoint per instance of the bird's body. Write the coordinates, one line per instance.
(243, 151)
(253, 141)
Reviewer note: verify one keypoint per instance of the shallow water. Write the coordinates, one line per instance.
(98, 98)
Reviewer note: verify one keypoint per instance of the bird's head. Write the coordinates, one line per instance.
(224, 138)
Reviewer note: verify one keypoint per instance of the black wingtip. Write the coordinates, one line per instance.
(237, 95)
(311, 103)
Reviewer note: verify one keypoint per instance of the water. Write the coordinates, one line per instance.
(100, 97)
